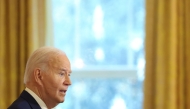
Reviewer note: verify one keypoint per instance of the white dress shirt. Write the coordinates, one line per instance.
(38, 100)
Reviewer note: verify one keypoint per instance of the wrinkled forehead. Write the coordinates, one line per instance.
(59, 61)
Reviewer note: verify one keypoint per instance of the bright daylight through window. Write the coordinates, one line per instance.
(104, 42)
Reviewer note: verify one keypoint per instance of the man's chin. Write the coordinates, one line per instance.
(61, 100)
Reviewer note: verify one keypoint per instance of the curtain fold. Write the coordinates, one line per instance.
(167, 73)
(22, 30)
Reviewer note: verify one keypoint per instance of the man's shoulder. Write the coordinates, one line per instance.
(24, 101)
(20, 103)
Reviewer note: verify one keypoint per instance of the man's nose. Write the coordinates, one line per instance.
(67, 80)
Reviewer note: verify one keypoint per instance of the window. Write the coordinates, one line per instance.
(104, 42)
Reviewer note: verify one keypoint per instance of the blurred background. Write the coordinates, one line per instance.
(125, 54)
(104, 41)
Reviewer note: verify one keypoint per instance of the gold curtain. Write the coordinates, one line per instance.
(22, 29)
(167, 74)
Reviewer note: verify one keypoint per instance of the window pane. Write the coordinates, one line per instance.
(103, 94)
(102, 34)
(99, 32)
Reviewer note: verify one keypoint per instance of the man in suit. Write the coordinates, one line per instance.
(47, 78)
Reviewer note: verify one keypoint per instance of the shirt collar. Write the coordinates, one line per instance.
(38, 100)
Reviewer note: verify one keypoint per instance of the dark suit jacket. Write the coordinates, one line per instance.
(24, 101)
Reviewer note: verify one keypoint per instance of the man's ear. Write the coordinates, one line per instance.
(38, 76)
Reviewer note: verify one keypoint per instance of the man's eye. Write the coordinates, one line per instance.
(61, 74)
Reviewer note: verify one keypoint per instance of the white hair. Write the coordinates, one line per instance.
(40, 59)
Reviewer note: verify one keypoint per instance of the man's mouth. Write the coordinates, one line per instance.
(63, 91)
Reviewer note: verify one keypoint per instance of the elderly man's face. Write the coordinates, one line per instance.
(57, 80)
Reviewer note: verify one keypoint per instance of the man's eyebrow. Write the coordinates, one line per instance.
(63, 69)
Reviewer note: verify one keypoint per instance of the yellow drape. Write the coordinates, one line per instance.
(167, 74)
(22, 29)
